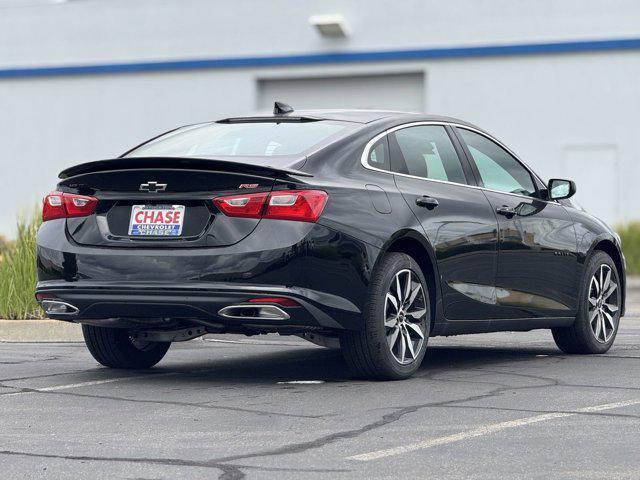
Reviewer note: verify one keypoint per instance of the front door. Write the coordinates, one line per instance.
(537, 261)
(457, 219)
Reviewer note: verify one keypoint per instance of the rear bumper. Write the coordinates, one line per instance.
(156, 304)
(323, 270)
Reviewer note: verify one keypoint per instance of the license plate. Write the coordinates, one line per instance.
(156, 220)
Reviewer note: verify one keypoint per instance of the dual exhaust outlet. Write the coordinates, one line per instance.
(249, 311)
(57, 307)
(244, 311)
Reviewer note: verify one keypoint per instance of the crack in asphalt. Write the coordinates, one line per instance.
(24, 362)
(205, 405)
(618, 357)
(324, 440)
(558, 383)
(229, 471)
(32, 377)
(384, 421)
(542, 412)
(233, 471)
(13, 389)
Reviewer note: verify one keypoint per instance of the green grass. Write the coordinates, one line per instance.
(630, 235)
(18, 272)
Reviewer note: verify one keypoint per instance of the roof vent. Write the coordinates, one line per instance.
(280, 108)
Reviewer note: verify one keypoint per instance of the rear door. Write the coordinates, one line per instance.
(457, 219)
(537, 261)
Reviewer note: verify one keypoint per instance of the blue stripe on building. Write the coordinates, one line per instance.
(327, 58)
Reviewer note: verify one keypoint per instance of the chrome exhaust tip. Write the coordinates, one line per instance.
(56, 307)
(253, 311)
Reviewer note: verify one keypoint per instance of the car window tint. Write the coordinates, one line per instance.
(241, 139)
(427, 151)
(379, 155)
(498, 169)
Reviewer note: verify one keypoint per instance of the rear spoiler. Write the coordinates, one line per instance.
(133, 163)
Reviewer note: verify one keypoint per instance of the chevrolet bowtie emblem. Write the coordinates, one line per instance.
(153, 187)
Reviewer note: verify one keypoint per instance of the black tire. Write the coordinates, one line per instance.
(113, 347)
(367, 351)
(580, 338)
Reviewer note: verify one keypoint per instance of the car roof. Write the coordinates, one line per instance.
(353, 115)
(357, 116)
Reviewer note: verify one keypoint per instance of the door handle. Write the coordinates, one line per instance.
(506, 211)
(427, 202)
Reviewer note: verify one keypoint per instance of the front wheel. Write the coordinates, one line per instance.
(114, 347)
(598, 316)
(396, 320)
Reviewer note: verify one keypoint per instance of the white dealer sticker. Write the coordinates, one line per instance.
(156, 220)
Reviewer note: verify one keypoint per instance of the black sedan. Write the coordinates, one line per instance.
(365, 230)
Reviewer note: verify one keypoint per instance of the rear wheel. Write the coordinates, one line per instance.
(598, 316)
(114, 347)
(393, 341)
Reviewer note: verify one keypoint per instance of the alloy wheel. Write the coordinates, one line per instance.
(405, 313)
(603, 304)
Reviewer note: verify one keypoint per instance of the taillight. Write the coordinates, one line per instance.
(53, 207)
(297, 205)
(67, 205)
(250, 205)
(300, 205)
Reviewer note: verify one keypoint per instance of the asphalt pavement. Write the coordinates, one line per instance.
(504, 405)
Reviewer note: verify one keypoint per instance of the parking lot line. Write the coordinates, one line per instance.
(486, 430)
(83, 384)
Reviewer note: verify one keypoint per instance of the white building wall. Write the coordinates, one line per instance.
(95, 31)
(547, 107)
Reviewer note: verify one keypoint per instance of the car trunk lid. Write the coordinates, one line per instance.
(139, 199)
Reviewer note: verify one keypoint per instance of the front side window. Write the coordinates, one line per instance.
(241, 139)
(426, 151)
(498, 169)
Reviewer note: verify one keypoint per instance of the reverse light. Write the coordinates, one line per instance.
(67, 205)
(296, 205)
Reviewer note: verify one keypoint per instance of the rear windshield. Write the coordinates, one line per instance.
(241, 139)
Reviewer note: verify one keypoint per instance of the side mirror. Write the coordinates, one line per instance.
(559, 189)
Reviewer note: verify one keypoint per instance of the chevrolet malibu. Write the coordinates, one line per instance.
(370, 231)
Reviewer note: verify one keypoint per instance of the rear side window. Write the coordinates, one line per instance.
(426, 151)
(241, 139)
(379, 155)
(498, 169)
